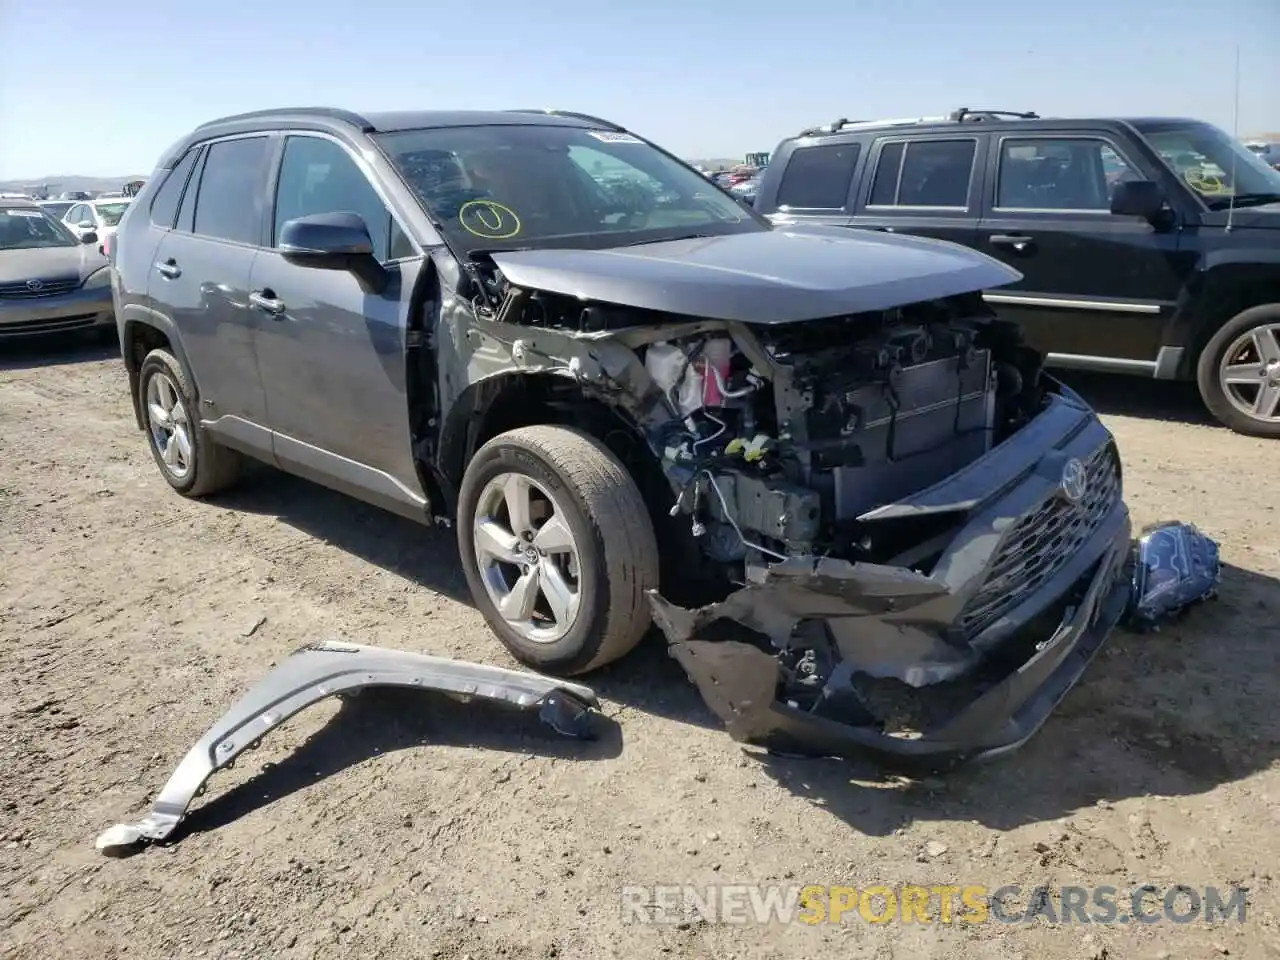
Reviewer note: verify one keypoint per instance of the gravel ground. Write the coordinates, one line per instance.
(409, 827)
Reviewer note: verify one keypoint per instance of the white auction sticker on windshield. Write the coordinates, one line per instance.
(609, 137)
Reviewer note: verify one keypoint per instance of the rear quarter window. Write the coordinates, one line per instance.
(164, 207)
(818, 177)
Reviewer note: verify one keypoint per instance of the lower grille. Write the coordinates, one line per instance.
(1042, 542)
(21, 289)
(48, 326)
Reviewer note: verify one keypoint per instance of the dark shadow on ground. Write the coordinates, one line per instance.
(1173, 713)
(384, 720)
(647, 679)
(1124, 396)
(50, 350)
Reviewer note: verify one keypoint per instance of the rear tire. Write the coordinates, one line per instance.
(550, 512)
(189, 459)
(1239, 365)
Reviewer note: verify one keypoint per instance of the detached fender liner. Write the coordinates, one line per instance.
(739, 682)
(321, 670)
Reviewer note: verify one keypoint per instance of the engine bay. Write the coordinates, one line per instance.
(855, 413)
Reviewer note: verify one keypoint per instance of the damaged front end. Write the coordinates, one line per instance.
(921, 531)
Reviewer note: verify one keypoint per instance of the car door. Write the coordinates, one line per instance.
(926, 185)
(332, 351)
(200, 281)
(1097, 287)
(76, 216)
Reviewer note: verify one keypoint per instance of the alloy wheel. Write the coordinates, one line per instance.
(527, 556)
(1250, 373)
(170, 425)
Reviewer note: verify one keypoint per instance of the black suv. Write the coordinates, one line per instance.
(1147, 246)
(613, 377)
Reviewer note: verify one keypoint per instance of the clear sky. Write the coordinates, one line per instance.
(101, 87)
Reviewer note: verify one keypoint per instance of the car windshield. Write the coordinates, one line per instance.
(110, 213)
(1215, 165)
(520, 186)
(22, 228)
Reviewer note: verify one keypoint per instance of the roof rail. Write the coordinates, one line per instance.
(569, 113)
(843, 124)
(969, 115)
(329, 113)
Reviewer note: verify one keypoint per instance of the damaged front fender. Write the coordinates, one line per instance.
(325, 669)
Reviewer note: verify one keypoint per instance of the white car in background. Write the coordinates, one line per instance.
(102, 216)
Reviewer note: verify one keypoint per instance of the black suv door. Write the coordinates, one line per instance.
(927, 185)
(332, 351)
(1097, 287)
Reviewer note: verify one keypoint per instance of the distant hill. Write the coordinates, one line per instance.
(69, 182)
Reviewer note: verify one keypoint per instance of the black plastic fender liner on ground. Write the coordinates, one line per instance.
(320, 670)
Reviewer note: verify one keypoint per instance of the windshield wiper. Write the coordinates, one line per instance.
(490, 251)
(1245, 200)
(687, 236)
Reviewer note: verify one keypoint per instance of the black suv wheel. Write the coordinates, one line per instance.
(1239, 372)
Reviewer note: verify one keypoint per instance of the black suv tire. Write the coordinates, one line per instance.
(578, 479)
(211, 467)
(1208, 367)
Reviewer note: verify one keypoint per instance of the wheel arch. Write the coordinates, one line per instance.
(141, 332)
(1228, 283)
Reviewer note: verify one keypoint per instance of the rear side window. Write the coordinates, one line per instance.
(924, 173)
(165, 205)
(229, 201)
(818, 177)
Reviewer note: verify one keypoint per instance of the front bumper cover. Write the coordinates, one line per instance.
(322, 670)
(739, 681)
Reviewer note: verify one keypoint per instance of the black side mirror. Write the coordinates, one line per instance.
(332, 241)
(89, 236)
(1138, 198)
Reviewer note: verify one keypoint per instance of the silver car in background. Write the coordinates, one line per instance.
(50, 280)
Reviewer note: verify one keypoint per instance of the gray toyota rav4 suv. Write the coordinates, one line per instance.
(639, 403)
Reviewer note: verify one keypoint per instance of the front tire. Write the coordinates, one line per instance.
(558, 548)
(188, 458)
(1239, 372)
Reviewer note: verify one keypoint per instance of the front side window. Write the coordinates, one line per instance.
(1066, 173)
(924, 173)
(78, 215)
(318, 176)
(542, 185)
(1213, 164)
(24, 228)
(818, 177)
(229, 199)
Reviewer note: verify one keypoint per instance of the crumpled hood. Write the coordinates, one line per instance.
(50, 263)
(775, 276)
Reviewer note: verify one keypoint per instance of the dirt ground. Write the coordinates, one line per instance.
(403, 826)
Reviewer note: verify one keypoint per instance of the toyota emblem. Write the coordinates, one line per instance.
(1073, 480)
(34, 285)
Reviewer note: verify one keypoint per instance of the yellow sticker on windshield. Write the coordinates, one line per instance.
(489, 220)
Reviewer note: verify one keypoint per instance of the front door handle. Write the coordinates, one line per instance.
(1020, 242)
(169, 268)
(264, 301)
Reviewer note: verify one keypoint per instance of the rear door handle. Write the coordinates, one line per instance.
(1018, 241)
(169, 268)
(266, 303)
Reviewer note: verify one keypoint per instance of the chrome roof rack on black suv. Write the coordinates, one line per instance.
(962, 115)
